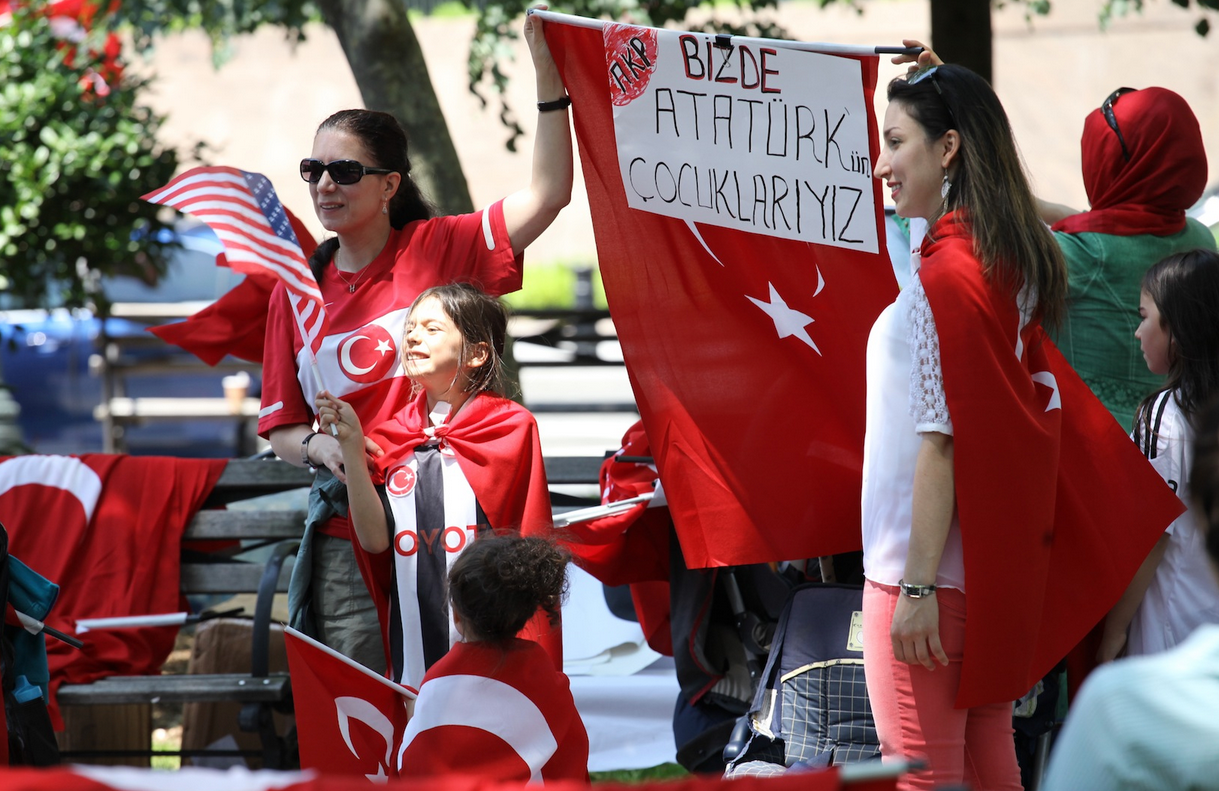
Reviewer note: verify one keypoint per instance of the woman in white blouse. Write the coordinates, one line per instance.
(987, 272)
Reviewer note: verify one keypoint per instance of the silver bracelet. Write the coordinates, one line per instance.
(915, 591)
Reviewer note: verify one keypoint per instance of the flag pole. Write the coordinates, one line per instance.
(724, 39)
(317, 372)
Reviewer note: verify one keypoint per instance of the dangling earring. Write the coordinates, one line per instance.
(946, 186)
(385, 204)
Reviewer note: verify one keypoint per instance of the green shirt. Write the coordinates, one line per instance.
(1105, 274)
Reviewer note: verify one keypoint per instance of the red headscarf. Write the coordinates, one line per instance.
(1166, 173)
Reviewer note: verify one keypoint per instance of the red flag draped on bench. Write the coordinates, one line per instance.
(108, 530)
(742, 296)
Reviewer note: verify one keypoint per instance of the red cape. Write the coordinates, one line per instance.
(1057, 506)
(497, 447)
(1166, 173)
(495, 711)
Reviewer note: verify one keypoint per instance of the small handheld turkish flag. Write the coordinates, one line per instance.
(348, 718)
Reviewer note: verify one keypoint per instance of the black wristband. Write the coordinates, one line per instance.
(561, 103)
(305, 449)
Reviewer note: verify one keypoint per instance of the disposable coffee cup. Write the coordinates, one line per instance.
(235, 389)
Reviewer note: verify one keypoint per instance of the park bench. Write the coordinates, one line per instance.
(94, 733)
(129, 366)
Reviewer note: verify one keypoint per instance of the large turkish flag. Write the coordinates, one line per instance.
(744, 344)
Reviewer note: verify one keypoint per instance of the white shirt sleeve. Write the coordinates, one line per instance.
(928, 405)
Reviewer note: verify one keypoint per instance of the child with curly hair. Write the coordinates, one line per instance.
(494, 705)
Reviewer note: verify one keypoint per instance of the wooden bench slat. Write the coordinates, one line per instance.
(228, 577)
(242, 474)
(177, 689)
(243, 524)
(573, 469)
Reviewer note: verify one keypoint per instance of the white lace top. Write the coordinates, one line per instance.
(928, 406)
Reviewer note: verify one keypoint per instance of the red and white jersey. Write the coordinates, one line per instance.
(421, 629)
(359, 360)
(495, 711)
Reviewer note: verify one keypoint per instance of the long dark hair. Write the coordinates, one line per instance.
(989, 184)
(1204, 477)
(500, 581)
(1185, 290)
(480, 318)
(385, 141)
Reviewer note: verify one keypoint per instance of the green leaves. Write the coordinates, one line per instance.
(73, 164)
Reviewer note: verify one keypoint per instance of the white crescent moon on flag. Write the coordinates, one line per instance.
(60, 472)
(351, 708)
(345, 355)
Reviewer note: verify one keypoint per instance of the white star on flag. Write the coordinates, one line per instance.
(787, 321)
(384, 346)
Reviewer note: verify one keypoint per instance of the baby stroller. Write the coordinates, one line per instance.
(811, 706)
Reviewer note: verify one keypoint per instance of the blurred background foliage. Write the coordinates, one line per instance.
(76, 152)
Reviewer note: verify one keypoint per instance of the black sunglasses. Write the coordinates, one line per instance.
(343, 171)
(929, 74)
(1106, 110)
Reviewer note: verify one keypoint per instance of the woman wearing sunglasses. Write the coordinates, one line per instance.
(969, 410)
(386, 248)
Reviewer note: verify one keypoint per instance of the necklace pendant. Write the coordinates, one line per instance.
(351, 288)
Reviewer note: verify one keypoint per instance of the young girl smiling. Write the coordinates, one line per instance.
(459, 459)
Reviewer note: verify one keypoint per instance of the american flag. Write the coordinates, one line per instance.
(245, 213)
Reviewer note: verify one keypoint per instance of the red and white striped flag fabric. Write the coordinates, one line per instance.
(246, 214)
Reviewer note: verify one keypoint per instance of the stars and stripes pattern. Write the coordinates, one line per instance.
(246, 214)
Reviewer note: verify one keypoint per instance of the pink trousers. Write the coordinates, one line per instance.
(913, 706)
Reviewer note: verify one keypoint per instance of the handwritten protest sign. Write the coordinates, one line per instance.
(742, 135)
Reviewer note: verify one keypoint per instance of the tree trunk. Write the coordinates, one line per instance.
(961, 33)
(388, 65)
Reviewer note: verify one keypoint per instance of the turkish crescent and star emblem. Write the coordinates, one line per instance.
(401, 482)
(367, 354)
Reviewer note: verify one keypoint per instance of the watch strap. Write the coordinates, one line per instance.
(915, 591)
(305, 449)
(562, 103)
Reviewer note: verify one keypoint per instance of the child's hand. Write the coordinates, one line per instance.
(337, 418)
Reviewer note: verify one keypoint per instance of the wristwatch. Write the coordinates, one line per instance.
(915, 591)
(305, 450)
